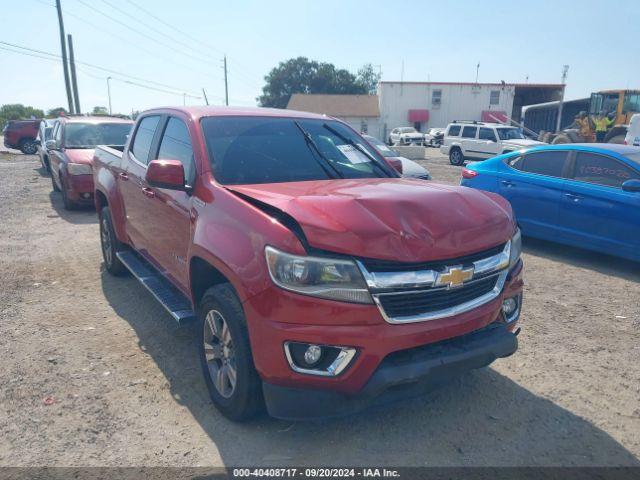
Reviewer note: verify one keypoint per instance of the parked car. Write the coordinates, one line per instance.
(585, 195)
(434, 137)
(633, 132)
(21, 135)
(70, 151)
(405, 136)
(480, 140)
(44, 133)
(404, 166)
(319, 279)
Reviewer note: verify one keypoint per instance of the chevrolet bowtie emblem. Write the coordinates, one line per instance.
(454, 277)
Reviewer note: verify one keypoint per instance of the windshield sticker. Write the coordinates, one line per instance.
(353, 154)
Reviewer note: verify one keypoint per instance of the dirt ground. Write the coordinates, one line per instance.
(94, 372)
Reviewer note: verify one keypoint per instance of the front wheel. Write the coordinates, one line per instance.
(456, 158)
(66, 201)
(225, 354)
(28, 147)
(110, 245)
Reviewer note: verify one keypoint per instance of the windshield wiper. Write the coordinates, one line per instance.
(382, 167)
(327, 163)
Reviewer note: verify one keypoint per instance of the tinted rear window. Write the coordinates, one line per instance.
(549, 163)
(469, 132)
(602, 170)
(246, 150)
(454, 130)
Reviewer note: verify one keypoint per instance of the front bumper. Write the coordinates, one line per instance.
(80, 188)
(401, 375)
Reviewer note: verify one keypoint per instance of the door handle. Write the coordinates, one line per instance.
(148, 192)
(572, 197)
(123, 176)
(507, 183)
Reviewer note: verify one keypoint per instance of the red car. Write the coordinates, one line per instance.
(322, 283)
(70, 151)
(21, 135)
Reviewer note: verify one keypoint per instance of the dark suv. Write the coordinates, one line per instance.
(21, 134)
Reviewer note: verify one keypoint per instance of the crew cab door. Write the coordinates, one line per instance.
(168, 229)
(56, 156)
(131, 181)
(534, 185)
(468, 140)
(595, 209)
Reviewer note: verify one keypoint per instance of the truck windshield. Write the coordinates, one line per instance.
(510, 134)
(88, 135)
(248, 150)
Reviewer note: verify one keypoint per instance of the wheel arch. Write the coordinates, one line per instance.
(204, 275)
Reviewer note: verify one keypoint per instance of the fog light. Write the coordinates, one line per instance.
(312, 359)
(509, 306)
(312, 355)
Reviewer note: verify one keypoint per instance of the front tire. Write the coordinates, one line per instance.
(67, 202)
(225, 354)
(54, 185)
(455, 157)
(110, 245)
(28, 147)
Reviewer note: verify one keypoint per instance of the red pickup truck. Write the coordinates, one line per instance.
(70, 150)
(322, 282)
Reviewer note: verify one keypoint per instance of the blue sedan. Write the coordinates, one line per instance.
(586, 195)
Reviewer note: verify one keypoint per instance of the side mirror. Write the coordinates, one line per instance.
(51, 145)
(167, 174)
(632, 185)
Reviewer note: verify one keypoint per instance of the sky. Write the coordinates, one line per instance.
(179, 45)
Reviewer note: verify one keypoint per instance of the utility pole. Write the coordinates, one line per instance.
(74, 78)
(184, 98)
(63, 47)
(226, 85)
(477, 72)
(109, 95)
(565, 70)
(206, 100)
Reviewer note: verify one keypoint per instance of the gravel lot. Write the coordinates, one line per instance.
(94, 372)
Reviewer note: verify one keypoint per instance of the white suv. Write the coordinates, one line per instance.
(405, 136)
(479, 140)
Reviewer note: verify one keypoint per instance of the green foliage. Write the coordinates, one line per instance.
(55, 112)
(100, 111)
(369, 78)
(301, 75)
(17, 111)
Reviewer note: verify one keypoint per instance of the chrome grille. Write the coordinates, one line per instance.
(424, 291)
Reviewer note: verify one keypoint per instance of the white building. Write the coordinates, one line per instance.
(426, 105)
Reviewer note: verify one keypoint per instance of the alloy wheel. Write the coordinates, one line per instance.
(219, 353)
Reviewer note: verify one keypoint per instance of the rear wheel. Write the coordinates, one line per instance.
(110, 245)
(455, 157)
(225, 353)
(28, 147)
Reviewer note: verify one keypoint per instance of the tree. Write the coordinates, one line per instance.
(56, 112)
(17, 111)
(369, 78)
(301, 75)
(100, 111)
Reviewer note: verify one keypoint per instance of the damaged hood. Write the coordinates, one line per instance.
(405, 220)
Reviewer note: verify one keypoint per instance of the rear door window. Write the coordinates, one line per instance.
(176, 145)
(469, 132)
(602, 170)
(144, 137)
(550, 163)
(454, 130)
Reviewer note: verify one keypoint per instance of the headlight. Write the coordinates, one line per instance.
(79, 169)
(330, 278)
(516, 249)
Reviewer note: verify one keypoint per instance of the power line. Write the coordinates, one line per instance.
(58, 58)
